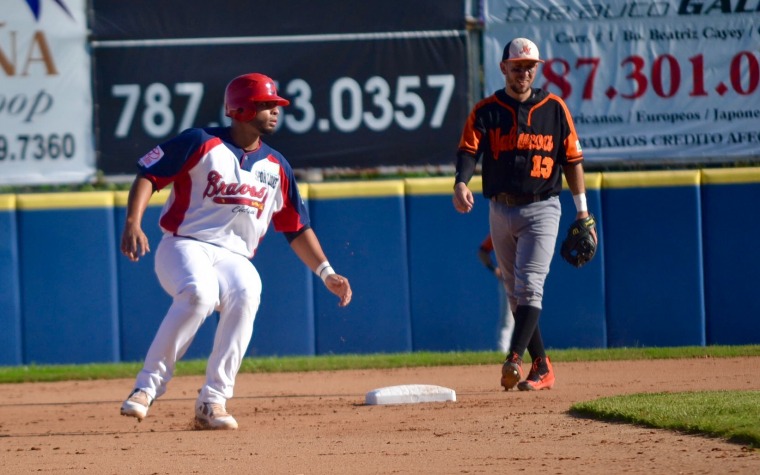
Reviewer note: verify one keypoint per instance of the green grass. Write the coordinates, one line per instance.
(733, 415)
(39, 373)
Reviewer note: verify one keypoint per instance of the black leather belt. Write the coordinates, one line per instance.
(519, 200)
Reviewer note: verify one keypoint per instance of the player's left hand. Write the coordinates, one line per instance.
(340, 286)
(579, 246)
(582, 215)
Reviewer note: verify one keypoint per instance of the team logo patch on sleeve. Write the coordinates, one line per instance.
(151, 158)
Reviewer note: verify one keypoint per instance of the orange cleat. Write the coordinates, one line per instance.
(537, 380)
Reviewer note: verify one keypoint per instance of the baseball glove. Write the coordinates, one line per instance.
(579, 246)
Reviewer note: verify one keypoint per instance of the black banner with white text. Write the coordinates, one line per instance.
(361, 98)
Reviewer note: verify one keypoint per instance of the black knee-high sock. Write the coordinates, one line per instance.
(526, 323)
(536, 345)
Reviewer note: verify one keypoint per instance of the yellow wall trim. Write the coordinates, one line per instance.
(7, 202)
(356, 189)
(39, 201)
(650, 179)
(439, 185)
(728, 176)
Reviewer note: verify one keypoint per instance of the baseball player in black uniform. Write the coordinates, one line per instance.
(526, 139)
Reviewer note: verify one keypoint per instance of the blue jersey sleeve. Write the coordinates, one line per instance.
(294, 215)
(168, 159)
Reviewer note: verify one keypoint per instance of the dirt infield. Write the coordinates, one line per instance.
(317, 423)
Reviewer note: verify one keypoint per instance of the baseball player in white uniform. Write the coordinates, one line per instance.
(227, 187)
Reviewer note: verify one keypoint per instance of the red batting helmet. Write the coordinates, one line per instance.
(244, 91)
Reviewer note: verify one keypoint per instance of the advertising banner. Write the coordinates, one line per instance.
(357, 103)
(363, 92)
(648, 81)
(45, 93)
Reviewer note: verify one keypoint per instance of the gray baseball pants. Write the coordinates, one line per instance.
(523, 239)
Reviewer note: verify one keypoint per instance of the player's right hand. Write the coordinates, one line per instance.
(134, 243)
(463, 199)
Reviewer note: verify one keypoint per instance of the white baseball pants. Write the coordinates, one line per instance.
(201, 278)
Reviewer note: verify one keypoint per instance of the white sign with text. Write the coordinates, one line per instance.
(45, 93)
(645, 81)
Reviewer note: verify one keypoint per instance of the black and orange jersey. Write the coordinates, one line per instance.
(522, 145)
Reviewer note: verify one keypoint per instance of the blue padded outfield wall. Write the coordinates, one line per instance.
(10, 298)
(653, 258)
(68, 286)
(362, 228)
(730, 230)
(677, 265)
(454, 299)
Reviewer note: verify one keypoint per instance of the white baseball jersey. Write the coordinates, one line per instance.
(221, 194)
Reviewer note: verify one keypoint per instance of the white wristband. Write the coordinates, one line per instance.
(580, 202)
(323, 270)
